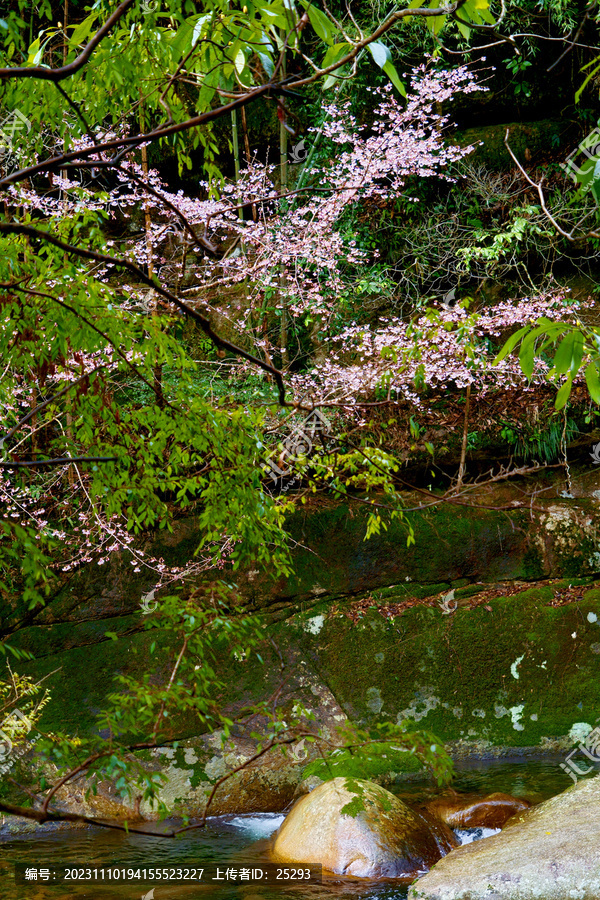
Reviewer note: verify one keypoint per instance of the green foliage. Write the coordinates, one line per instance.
(542, 442)
(473, 12)
(357, 804)
(574, 346)
(382, 56)
(387, 747)
(518, 66)
(439, 237)
(379, 761)
(20, 694)
(113, 384)
(192, 635)
(25, 564)
(504, 241)
(225, 49)
(591, 69)
(94, 364)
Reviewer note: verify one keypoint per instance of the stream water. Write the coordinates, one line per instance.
(238, 841)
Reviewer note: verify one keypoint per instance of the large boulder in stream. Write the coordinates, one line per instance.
(550, 852)
(357, 828)
(473, 811)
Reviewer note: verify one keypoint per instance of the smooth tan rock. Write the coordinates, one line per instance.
(385, 839)
(473, 811)
(549, 852)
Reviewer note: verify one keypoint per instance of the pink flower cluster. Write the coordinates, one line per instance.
(445, 348)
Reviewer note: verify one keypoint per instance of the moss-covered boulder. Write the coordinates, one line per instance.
(488, 542)
(518, 669)
(357, 828)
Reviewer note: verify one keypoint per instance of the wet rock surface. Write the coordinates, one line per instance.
(549, 852)
(464, 811)
(357, 828)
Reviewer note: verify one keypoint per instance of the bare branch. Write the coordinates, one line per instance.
(569, 235)
(59, 461)
(26, 812)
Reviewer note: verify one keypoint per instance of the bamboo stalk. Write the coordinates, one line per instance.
(248, 156)
(236, 157)
(463, 450)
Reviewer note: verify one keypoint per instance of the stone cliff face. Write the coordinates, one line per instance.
(510, 662)
(497, 534)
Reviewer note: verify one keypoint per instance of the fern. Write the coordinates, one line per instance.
(542, 444)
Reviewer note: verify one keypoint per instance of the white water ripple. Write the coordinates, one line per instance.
(258, 825)
(468, 835)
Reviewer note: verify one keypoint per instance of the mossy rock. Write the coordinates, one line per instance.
(355, 828)
(517, 671)
(528, 140)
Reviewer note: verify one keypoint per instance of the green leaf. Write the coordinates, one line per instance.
(435, 23)
(267, 63)
(476, 11)
(240, 61)
(380, 53)
(414, 4)
(82, 31)
(564, 354)
(593, 381)
(528, 347)
(320, 23)
(510, 344)
(563, 394)
(588, 78)
(198, 27)
(330, 81)
(577, 353)
(526, 357)
(334, 54)
(392, 74)
(34, 53)
(486, 16)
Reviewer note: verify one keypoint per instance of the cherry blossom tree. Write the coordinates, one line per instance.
(83, 470)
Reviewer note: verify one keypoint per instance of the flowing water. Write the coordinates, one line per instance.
(238, 841)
